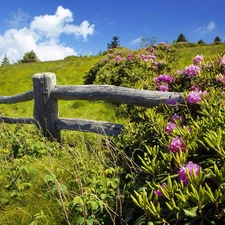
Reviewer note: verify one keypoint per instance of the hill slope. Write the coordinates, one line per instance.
(17, 78)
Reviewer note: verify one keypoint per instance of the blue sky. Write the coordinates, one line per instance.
(55, 29)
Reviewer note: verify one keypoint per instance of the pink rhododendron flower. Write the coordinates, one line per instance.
(222, 60)
(163, 78)
(194, 97)
(158, 192)
(170, 127)
(194, 88)
(118, 58)
(182, 173)
(163, 87)
(129, 57)
(220, 78)
(179, 72)
(198, 58)
(192, 70)
(176, 145)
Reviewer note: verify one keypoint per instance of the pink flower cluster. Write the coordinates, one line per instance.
(175, 121)
(147, 57)
(194, 97)
(190, 167)
(162, 81)
(222, 62)
(198, 59)
(177, 145)
(192, 70)
(220, 78)
(118, 58)
(170, 127)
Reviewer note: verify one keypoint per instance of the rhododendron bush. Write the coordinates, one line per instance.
(186, 164)
(180, 147)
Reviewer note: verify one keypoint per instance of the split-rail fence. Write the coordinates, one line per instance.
(46, 94)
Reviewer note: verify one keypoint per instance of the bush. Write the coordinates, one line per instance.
(30, 57)
(183, 152)
(178, 45)
(123, 67)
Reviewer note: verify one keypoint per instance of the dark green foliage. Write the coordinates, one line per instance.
(30, 57)
(201, 42)
(217, 40)
(178, 45)
(114, 43)
(181, 38)
(5, 61)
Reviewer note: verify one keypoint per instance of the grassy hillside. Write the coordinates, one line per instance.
(88, 179)
(187, 54)
(17, 79)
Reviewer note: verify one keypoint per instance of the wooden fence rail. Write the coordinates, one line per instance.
(46, 95)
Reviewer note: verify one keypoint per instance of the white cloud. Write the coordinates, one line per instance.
(43, 36)
(18, 19)
(136, 41)
(207, 28)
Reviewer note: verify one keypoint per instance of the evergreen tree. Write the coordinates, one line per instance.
(201, 42)
(30, 57)
(217, 40)
(181, 38)
(114, 43)
(5, 61)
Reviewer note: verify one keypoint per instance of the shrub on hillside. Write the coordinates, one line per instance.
(127, 68)
(183, 149)
(178, 45)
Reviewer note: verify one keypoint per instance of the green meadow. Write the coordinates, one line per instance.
(89, 179)
(17, 78)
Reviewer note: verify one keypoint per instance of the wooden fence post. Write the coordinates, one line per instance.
(45, 107)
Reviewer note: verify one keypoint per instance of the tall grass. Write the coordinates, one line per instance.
(43, 182)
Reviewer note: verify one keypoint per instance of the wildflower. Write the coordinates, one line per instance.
(194, 97)
(171, 102)
(198, 58)
(118, 58)
(220, 78)
(190, 167)
(180, 72)
(222, 60)
(177, 119)
(176, 145)
(158, 192)
(163, 87)
(170, 127)
(164, 78)
(129, 57)
(194, 88)
(192, 70)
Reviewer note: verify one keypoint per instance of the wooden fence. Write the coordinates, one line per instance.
(46, 95)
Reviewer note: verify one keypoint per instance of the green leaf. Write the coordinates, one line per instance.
(189, 213)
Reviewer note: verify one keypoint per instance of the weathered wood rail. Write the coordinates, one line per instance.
(46, 95)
